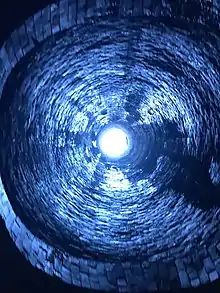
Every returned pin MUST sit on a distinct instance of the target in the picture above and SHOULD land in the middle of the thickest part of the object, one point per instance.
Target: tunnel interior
(143, 217)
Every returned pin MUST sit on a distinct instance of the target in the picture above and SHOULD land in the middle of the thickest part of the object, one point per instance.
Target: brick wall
(146, 275)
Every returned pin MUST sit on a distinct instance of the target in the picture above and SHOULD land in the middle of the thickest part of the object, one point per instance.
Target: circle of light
(114, 142)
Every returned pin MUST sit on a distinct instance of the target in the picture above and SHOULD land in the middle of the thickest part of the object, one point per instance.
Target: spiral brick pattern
(66, 72)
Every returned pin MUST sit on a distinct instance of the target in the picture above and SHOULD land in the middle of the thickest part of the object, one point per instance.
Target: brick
(213, 252)
(183, 279)
(16, 45)
(80, 16)
(91, 8)
(75, 270)
(84, 268)
(100, 268)
(15, 228)
(76, 281)
(85, 280)
(213, 276)
(94, 283)
(163, 271)
(55, 18)
(180, 265)
(136, 270)
(126, 7)
(92, 271)
(203, 276)
(152, 285)
(138, 8)
(173, 273)
(146, 7)
(128, 276)
(26, 45)
(75, 260)
(35, 245)
(46, 22)
(66, 275)
(38, 27)
(57, 265)
(209, 266)
(33, 260)
(217, 265)
(104, 283)
(5, 209)
(72, 14)
(191, 273)
(64, 12)
(122, 283)
(10, 52)
(195, 282)
(145, 264)
(9, 221)
(218, 246)
(4, 59)
(19, 243)
(101, 7)
(42, 255)
(48, 269)
(29, 23)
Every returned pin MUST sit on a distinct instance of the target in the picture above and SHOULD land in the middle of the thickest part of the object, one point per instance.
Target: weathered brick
(122, 285)
(91, 8)
(75, 270)
(15, 228)
(5, 64)
(55, 18)
(100, 268)
(203, 276)
(64, 12)
(26, 45)
(213, 276)
(104, 283)
(191, 273)
(38, 26)
(125, 7)
(213, 252)
(46, 22)
(57, 265)
(66, 275)
(94, 283)
(138, 8)
(146, 7)
(72, 14)
(217, 266)
(218, 246)
(173, 273)
(80, 16)
(152, 285)
(33, 260)
(16, 45)
(180, 265)
(10, 53)
(209, 266)
(84, 268)
(101, 7)
(85, 280)
(19, 243)
(195, 282)
(42, 255)
(184, 279)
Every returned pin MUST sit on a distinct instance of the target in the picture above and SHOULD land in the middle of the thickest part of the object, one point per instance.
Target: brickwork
(123, 277)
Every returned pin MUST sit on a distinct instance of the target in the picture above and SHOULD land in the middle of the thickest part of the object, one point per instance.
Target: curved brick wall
(191, 270)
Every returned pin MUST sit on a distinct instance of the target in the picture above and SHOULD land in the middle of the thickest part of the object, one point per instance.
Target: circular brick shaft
(190, 259)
